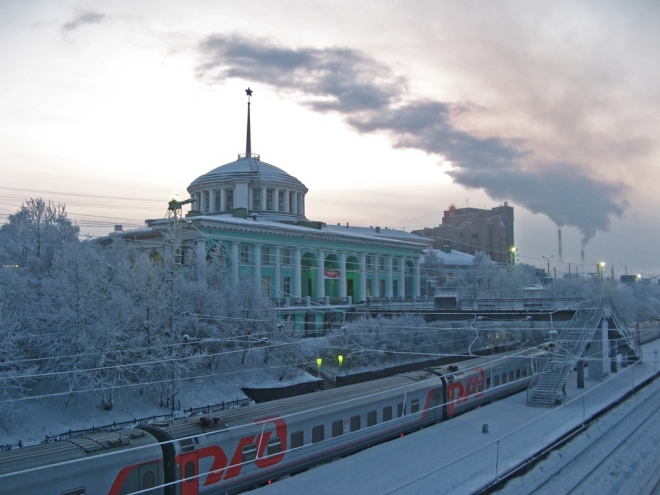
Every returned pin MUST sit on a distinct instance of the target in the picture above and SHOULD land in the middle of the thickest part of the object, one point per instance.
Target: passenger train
(235, 450)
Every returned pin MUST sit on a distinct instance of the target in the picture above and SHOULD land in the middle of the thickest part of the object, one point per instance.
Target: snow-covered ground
(455, 456)
(35, 419)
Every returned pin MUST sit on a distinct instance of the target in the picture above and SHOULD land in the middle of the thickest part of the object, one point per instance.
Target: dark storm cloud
(82, 19)
(372, 98)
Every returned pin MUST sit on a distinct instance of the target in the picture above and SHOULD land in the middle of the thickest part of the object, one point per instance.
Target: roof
(453, 258)
(246, 169)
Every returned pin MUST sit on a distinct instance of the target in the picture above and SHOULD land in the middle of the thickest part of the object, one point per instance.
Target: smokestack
(583, 256)
(559, 234)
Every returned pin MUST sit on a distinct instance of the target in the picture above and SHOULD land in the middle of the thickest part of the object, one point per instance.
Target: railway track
(616, 453)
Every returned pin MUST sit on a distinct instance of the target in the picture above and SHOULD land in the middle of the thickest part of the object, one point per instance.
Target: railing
(400, 304)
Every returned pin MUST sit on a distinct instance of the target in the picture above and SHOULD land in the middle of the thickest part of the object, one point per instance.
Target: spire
(248, 141)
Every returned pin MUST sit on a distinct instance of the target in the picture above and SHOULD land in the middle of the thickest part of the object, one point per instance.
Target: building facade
(473, 229)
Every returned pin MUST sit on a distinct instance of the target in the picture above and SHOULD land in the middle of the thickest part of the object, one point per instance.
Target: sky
(388, 112)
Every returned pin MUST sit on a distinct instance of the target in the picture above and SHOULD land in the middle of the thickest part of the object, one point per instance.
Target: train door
(189, 472)
(438, 402)
(148, 475)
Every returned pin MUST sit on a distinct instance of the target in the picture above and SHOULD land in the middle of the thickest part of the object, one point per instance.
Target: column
(363, 277)
(278, 274)
(223, 199)
(286, 201)
(234, 263)
(297, 283)
(389, 290)
(342, 274)
(276, 200)
(294, 206)
(376, 285)
(416, 280)
(402, 282)
(257, 268)
(263, 198)
(320, 277)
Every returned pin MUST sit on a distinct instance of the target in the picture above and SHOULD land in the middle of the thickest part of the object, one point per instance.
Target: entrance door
(349, 287)
(189, 472)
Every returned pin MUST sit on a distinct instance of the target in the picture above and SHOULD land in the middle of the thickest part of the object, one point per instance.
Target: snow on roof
(453, 258)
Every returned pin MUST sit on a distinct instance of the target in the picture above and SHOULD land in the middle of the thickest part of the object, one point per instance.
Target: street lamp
(548, 260)
(600, 267)
(512, 255)
(340, 359)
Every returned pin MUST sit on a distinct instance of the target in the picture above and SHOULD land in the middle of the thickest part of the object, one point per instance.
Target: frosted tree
(33, 234)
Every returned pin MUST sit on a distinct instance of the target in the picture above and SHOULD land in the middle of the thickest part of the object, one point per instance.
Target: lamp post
(548, 260)
(600, 267)
(512, 255)
(319, 361)
(340, 360)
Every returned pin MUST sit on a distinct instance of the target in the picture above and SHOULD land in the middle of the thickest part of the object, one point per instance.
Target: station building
(254, 214)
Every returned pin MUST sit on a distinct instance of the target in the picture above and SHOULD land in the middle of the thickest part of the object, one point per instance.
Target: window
(395, 288)
(245, 254)
(287, 286)
(387, 413)
(217, 198)
(525, 371)
(256, 199)
(249, 452)
(369, 262)
(355, 423)
(291, 201)
(317, 434)
(337, 428)
(382, 288)
(229, 194)
(148, 480)
(297, 439)
(399, 410)
(207, 201)
(266, 255)
(372, 418)
(369, 287)
(381, 263)
(487, 383)
(280, 201)
(395, 263)
(503, 378)
(510, 376)
(269, 199)
(286, 256)
(274, 446)
(497, 380)
(414, 406)
(518, 374)
(265, 286)
(189, 469)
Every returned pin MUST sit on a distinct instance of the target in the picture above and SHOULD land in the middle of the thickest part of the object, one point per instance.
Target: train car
(115, 463)
(238, 449)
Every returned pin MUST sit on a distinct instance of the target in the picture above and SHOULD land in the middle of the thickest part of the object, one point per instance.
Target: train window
(518, 374)
(249, 452)
(76, 491)
(497, 380)
(337, 428)
(487, 383)
(503, 378)
(510, 376)
(525, 371)
(317, 434)
(148, 480)
(387, 413)
(399, 410)
(355, 423)
(274, 446)
(189, 470)
(372, 418)
(414, 406)
(297, 439)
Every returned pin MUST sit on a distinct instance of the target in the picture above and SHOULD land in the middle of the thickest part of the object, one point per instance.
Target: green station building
(254, 213)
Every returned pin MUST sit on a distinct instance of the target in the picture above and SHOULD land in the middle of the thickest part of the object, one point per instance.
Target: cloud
(81, 20)
(371, 98)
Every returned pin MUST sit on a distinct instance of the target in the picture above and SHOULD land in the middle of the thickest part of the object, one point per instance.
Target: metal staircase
(546, 389)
